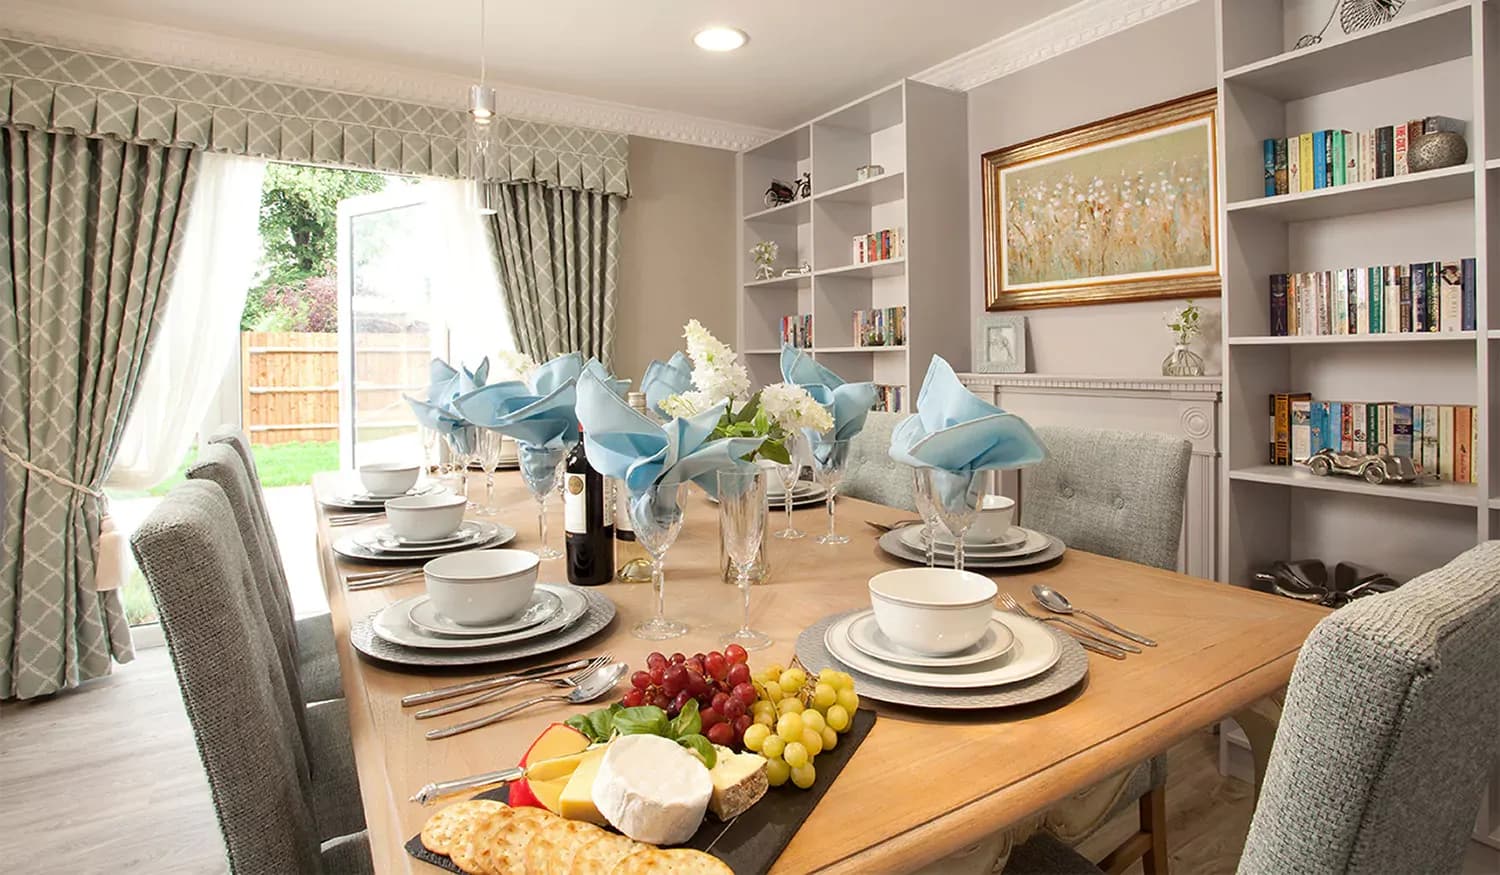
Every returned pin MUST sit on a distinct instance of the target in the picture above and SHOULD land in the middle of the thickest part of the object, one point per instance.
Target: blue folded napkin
(624, 444)
(848, 403)
(665, 379)
(444, 383)
(554, 372)
(955, 431)
(597, 368)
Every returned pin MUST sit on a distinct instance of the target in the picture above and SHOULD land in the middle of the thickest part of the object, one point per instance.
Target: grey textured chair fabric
(317, 659)
(235, 689)
(1388, 729)
(335, 780)
(1116, 493)
(870, 473)
(1044, 854)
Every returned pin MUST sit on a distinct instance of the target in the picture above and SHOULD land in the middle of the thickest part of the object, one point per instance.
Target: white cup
(996, 514)
(477, 587)
(932, 611)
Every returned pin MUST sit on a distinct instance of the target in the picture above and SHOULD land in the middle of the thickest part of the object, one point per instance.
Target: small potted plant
(765, 253)
(1185, 323)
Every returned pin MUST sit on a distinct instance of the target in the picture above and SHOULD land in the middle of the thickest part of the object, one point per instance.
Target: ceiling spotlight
(719, 39)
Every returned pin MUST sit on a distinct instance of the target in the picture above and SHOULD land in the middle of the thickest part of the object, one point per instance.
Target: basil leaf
(776, 452)
(641, 720)
(702, 747)
(687, 721)
(601, 722)
(581, 723)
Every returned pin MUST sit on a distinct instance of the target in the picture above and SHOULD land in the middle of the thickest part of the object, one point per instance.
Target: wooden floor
(106, 780)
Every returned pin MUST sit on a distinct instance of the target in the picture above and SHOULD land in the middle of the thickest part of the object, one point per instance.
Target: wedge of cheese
(577, 802)
(739, 781)
(652, 789)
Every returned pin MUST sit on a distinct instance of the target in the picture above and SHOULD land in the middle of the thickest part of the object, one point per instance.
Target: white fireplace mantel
(1186, 407)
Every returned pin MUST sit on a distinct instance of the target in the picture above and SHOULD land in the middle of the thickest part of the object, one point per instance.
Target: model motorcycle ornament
(1378, 467)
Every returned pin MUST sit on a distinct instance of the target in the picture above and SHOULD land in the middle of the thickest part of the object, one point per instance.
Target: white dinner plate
(543, 605)
(394, 623)
(1035, 650)
(865, 636)
(1015, 542)
(802, 496)
(470, 533)
(351, 547)
(357, 499)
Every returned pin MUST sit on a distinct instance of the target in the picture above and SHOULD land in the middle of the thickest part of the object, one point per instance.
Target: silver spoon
(596, 686)
(1058, 603)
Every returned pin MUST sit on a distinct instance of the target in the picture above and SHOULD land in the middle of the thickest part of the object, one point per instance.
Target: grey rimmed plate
(891, 543)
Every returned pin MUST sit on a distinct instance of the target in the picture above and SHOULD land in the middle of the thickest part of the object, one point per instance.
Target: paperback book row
(1322, 159)
(889, 398)
(1430, 296)
(884, 327)
(1438, 438)
(797, 330)
(879, 246)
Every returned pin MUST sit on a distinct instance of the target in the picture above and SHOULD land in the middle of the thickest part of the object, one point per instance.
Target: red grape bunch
(720, 682)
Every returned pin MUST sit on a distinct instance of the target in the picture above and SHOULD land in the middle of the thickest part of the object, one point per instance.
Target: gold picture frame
(1096, 242)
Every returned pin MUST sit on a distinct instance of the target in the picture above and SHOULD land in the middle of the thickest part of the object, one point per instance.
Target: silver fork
(563, 683)
(1086, 636)
(353, 519)
(384, 578)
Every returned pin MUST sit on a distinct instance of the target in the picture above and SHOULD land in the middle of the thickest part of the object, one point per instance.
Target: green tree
(299, 215)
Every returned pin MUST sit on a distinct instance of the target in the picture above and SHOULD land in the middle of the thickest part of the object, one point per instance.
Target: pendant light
(481, 129)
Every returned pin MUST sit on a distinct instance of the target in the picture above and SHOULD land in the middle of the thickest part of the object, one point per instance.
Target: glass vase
(1182, 362)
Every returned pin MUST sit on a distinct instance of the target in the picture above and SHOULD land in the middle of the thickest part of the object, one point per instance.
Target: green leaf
(580, 722)
(702, 747)
(776, 452)
(749, 411)
(597, 725)
(687, 721)
(641, 720)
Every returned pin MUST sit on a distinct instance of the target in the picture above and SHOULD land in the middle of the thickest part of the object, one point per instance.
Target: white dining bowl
(993, 521)
(425, 517)
(388, 478)
(932, 611)
(478, 587)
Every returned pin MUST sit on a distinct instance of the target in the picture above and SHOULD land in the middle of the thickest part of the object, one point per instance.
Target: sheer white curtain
(200, 329)
(465, 284)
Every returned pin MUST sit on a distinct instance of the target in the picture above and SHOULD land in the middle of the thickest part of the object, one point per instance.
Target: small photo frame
(1000, 344)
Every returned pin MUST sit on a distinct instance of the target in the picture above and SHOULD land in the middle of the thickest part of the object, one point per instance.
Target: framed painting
(1124, 209)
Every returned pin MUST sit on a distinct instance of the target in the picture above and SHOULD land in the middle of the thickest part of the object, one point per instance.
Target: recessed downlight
(719, 39)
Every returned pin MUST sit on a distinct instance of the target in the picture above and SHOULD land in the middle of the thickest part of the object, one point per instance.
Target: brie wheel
(652, 789)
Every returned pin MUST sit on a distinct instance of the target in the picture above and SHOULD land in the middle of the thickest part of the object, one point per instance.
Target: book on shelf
(797, 330)
(1445, 466)
(1418, 297)
(889, 398)
(1309, 170)
(1300, 407)
(1429, 296)
(1438, 438)
(1328, 158)
(877, 328)
(1269, 149)
(1465, 438)
(882, 245)
(1398, 150)
(1467, 316)
(1320, 159)
(1293, 166)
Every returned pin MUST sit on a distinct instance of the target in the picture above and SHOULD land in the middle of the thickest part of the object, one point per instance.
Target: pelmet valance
(57, 89)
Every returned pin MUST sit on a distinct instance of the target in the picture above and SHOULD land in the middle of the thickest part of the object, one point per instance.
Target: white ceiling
(804, 56)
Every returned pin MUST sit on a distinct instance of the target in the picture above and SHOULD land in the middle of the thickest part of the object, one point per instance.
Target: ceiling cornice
(160, 44)
(1044, 39)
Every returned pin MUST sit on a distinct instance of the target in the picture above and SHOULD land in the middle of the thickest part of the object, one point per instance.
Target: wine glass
(790, 475)
(956, 497)
(742, 525)
(539, 466)
(463, 445)
(829, 458)
(656, 514)
(489, 460)
(431, 459)
(922, 496)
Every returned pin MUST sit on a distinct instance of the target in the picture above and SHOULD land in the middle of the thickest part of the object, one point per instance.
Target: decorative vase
(1435, 150)
(760, 573)
(1182, 362)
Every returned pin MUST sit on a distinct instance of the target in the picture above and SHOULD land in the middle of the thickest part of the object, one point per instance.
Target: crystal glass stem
(929, 534)
(545, 552)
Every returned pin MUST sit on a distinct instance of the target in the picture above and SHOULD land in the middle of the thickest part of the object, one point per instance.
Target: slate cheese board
(750, 843)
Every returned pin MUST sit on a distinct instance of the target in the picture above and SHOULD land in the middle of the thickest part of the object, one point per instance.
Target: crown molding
(1044, 39)
(171, 46)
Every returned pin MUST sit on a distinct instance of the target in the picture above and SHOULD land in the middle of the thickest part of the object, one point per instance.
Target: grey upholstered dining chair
(317, 657)
(282, 806)
(870, 473)
(1116, 493)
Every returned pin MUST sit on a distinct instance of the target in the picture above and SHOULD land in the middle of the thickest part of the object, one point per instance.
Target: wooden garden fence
(290, 382)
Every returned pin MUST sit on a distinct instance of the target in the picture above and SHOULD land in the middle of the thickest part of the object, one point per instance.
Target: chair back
(870, 473)
(1115, 493)
(235, 439)
(1388, 731)
(232, 681)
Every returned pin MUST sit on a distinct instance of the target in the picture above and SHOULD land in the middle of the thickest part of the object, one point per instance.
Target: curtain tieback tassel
(109, 555)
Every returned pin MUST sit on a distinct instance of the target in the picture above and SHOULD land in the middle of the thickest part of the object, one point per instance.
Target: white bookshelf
(1435, 58)
(918, 134)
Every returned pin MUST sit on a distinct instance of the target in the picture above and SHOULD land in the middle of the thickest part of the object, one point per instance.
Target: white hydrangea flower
(518, 364)
(686, 404)
(717, 372)
(790, 407)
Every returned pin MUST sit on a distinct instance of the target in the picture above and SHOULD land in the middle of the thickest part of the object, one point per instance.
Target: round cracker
(465, 854)
(599, 856)
(452, 823)
(504, 851)
(671, 861)
(552, 847)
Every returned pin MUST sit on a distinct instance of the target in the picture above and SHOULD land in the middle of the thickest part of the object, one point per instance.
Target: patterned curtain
(92, 229)
(556, 251)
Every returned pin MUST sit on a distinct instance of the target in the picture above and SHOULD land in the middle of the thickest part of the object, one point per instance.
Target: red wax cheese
(555, 741)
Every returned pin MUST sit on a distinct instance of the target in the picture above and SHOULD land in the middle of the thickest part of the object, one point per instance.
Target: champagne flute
(790, 475)
(956, 497)
(539, 466)
(921, 494)
(489, 460)
(657, 516)
(463, 445)
(829, 458)
(742, 524)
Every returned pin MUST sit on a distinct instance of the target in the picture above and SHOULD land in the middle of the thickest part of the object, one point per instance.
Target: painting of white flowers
(1119, 210)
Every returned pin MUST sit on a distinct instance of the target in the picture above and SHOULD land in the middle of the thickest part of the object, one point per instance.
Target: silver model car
(1373, 467)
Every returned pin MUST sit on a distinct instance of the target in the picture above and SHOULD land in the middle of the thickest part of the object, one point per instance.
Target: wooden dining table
(924, 783)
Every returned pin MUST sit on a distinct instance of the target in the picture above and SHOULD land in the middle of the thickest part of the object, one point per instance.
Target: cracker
(504, 851)
(465, 854)
(452, 824)
(673, 861)
(599, 856)
(552, 847)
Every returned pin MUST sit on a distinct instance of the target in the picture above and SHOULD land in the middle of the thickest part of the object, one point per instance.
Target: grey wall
(1167, 57)
(677, 259)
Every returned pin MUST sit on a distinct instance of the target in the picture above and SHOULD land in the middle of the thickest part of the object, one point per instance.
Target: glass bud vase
(759, 573)
(1182, 362)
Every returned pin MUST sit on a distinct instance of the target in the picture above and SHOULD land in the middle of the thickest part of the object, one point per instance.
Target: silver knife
(487, 683)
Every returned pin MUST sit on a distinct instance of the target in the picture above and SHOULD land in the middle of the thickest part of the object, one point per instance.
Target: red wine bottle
(588, 519)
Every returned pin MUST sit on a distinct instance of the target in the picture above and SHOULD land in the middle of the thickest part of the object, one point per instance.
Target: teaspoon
(1058, 603)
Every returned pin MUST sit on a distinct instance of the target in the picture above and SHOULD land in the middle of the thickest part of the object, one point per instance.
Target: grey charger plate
(1071, 667)
(891, 543)
(350, 548)
(598, 615)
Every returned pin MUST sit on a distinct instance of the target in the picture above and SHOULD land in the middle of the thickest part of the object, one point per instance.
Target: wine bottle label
(575, 505)
(622, 512)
